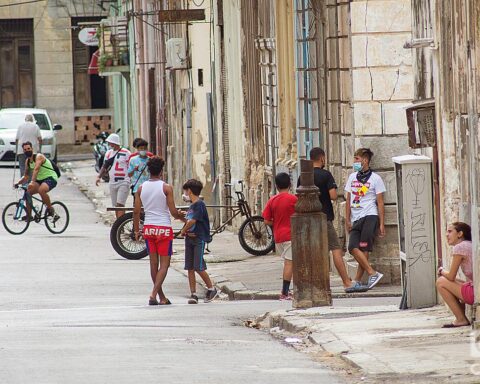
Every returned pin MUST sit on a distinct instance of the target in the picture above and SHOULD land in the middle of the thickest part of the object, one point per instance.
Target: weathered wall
(382, 85)
(53, 56)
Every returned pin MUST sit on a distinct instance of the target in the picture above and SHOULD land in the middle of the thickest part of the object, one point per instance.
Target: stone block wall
(379, 78)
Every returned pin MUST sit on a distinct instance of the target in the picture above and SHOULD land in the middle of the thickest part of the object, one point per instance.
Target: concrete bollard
(311, 269)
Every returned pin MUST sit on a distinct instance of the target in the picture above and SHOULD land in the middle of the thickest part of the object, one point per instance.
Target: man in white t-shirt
(364, 213)
(29, 131)
(116, 164)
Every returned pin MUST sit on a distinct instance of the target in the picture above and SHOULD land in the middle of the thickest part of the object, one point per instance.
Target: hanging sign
(88, 36)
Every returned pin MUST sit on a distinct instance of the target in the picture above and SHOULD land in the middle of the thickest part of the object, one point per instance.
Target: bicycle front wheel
(58, 223)
(123, 240)
(256, 237)
(15, 218)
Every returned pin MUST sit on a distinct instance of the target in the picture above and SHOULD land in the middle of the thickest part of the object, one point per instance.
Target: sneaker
(285, 297)
(374, 279)
(51, 212)
(356, 287)
(193, 299)
(211, 294)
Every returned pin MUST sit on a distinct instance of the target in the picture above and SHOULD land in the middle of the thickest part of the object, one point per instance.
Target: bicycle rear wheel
(123, 240)
(15, 218)
(256, 237)
(58, 223)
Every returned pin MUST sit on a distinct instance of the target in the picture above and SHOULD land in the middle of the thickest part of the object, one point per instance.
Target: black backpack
(54, 166)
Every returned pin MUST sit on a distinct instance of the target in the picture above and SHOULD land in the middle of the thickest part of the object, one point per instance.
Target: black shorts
(194, 251)
(50, 181)
(363, 233)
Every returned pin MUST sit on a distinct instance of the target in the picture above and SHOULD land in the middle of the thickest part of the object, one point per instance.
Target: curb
(327, 340)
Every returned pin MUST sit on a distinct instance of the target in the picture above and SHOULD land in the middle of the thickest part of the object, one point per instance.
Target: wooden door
(16, 73)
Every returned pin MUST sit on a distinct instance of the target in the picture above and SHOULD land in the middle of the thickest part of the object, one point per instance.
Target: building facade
(44, 65)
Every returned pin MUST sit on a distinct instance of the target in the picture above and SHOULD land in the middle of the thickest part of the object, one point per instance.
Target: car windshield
(10, 120)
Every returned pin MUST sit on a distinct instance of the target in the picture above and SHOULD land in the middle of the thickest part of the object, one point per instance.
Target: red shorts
(159, 239)
(467, 293)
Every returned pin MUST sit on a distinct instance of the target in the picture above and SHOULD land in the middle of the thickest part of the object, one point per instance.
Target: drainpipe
(189, 133)
(273, 141)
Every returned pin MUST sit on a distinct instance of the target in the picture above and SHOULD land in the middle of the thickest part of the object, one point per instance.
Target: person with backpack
(116, 165)
(43, 176)
(137, 166)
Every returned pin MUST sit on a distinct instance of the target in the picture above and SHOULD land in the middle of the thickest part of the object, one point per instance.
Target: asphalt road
(72, 311)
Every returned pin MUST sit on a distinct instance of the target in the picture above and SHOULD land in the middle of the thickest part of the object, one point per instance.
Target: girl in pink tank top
(455, 292)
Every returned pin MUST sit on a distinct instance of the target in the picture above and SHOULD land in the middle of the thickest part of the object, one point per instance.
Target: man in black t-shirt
(325, 182)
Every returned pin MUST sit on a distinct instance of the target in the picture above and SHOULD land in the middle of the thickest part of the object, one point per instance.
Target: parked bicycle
(254, 235)
(16, 218)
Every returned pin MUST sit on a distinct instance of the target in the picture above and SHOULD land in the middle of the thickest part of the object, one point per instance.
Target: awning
(93, 66)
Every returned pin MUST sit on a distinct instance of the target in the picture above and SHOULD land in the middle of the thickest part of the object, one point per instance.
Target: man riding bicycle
(43, 176)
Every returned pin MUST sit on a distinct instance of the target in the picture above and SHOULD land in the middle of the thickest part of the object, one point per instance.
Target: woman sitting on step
(456, 293)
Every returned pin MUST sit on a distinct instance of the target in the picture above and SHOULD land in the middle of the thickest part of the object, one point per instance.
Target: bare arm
(102, 172)
(348, 213)
(333, 194)
(268, 222)
(452, 273)
(168, 190)
(190, 223)
(137, 208)
(40, 159)
(381, 214)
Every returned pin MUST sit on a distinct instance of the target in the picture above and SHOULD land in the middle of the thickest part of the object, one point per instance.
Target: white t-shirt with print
(119, 171)
(363, 197)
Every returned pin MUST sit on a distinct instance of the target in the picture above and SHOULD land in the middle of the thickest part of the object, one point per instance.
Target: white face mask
(186, 198)
(143, 153)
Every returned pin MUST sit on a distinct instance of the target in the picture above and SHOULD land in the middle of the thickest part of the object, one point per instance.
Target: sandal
(152, 301)
(167, 302)
(451, 325)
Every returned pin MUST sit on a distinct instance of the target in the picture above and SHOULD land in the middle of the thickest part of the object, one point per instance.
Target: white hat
(113, 138)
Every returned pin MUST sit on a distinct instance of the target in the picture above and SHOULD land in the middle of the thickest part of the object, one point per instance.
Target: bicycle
(16, 219)
(254, 235)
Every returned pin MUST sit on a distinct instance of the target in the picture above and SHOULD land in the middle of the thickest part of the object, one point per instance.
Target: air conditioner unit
(176, 51)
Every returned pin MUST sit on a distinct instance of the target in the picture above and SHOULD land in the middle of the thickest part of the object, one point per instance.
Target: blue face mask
(357, 166)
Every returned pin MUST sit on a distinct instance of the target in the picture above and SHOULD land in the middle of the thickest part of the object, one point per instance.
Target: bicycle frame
(26, 200)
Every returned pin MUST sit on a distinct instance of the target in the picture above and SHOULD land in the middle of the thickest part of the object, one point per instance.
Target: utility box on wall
(176, 52)
(416, 230)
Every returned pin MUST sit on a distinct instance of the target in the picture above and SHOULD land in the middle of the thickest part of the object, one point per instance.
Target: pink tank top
(465, 249)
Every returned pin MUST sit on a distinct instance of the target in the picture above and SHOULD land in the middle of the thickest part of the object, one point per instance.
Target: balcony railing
(113, 45)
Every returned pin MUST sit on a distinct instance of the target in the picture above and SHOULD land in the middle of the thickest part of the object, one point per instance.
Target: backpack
(54, 166)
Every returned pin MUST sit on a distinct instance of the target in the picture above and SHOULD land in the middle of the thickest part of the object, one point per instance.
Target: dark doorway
(16, 63)
(90, 90)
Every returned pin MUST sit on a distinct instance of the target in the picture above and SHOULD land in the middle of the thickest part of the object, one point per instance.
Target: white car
(12, 118)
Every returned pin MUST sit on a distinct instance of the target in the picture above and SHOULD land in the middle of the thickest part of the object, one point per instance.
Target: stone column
(311, 270)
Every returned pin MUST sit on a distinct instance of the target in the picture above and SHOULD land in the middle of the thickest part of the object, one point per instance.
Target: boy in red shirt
(277, 214)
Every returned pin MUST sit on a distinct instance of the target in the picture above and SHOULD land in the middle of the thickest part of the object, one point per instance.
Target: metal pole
(311, 262)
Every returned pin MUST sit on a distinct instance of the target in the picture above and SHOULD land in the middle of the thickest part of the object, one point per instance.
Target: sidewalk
(407, 346)
(236, 273)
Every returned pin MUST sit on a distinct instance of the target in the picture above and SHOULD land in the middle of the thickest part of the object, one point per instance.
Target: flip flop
(165, 303)
(451, 325)
(152, 301)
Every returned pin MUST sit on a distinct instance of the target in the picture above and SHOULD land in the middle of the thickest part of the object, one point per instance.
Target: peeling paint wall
(453, 54)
